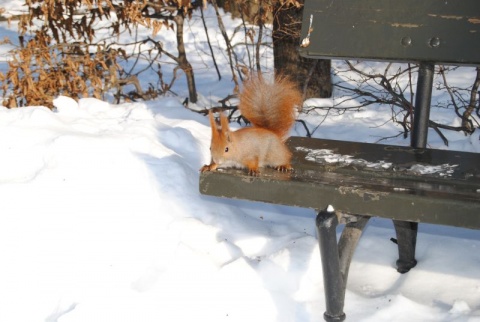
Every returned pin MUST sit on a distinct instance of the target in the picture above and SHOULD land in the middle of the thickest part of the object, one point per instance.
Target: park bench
(350, 182)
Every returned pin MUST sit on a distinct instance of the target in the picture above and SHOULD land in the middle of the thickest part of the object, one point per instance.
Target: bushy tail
(271, 105)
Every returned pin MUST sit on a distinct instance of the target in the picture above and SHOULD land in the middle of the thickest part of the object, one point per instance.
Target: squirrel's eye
(226, 149)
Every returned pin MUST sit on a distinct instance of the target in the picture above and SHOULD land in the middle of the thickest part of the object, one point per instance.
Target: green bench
(349, 182)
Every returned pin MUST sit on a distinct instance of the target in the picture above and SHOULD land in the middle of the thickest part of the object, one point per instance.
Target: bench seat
(400, 183)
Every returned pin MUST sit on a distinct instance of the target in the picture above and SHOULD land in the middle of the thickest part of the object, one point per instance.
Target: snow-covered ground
(101, 220)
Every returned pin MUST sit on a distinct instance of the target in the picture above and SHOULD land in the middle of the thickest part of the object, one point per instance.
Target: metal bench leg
(423, 99)
(336, 258)
(406, 240)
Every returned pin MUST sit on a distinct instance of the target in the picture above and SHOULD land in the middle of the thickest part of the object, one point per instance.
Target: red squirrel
(270, 107)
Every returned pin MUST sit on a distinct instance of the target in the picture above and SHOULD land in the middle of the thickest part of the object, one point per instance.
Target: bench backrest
(438, 31)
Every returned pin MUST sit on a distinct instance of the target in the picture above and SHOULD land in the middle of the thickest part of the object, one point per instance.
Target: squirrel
(270, 108)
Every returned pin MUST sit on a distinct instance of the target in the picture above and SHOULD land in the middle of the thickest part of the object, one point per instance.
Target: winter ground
(101, 220)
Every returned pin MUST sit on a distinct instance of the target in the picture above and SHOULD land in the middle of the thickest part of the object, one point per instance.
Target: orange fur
(270, 107)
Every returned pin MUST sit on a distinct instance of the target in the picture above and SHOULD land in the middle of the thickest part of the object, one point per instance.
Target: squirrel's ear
(225, 127)
(212, 119)
(224, 123)
(213, 123)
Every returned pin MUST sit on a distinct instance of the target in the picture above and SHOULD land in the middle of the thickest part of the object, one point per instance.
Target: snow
(323, 156)
(101, 220)
(329, 156)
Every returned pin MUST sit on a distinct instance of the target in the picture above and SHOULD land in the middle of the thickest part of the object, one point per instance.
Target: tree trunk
(183, 62)
(312, 75)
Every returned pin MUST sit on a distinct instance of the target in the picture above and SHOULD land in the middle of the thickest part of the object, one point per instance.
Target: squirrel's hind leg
(280, 160)
(284, 168)
(252, 166)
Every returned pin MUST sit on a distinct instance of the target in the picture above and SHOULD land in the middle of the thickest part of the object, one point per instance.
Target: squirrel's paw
(208, 167)
(284, 168)
(253, 172)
